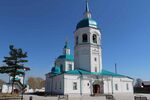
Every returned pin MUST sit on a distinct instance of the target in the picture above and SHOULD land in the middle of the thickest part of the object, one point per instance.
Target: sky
(41, 27)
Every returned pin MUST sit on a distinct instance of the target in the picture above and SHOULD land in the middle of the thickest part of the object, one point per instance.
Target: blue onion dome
(56, 70)
(87, 22)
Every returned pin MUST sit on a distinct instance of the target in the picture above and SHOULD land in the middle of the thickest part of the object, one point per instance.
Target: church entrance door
(96, 89)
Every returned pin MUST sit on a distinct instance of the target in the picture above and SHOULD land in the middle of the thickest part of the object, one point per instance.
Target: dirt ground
(117, 97)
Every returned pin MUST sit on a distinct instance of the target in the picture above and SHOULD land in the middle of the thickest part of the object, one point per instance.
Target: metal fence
(110, 97)
(140, 98)
(62, 97)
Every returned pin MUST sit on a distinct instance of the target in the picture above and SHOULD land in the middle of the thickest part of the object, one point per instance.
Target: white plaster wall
(107, 86)
(85, 58)
(95, 54)
(126, 81)
(6, 88)
(68, 84)
(82, 50)
(55, 85)
(86, 52)
(82, 89)
(117, 81)
(122, 88)
(48, 84)
(86, 89)
(58, 84)
(82, 56)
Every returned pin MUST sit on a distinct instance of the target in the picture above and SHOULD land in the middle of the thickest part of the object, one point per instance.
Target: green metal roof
(83, 72)
(87, 22)
(77, 72)
(108, 73)
(66, 57)
(103, 73)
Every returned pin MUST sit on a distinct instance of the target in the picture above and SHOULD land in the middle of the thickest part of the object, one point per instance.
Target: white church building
(82, 74)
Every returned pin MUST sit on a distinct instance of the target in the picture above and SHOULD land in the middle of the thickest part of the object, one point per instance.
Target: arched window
(77, 40)
(69, 67)
(94, 38)
(127, 86)
(61, 68)
(116, 86)
(95, 59)
(84, 38)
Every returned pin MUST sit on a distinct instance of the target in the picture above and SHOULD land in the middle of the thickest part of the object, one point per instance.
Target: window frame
(116, 87)
(69, 67)
(127, 86)
(75, 87)
(94, 38)
(95, 59)
(84, 38)
(61, 67)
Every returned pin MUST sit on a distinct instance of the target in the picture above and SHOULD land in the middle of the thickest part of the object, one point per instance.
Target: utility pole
(116, 68)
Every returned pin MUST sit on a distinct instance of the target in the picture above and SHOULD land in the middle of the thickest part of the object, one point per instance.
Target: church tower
(87, 49)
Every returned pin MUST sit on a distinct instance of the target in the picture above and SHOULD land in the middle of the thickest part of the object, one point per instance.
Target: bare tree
(2, 82)
(36, 82)
(138, 82)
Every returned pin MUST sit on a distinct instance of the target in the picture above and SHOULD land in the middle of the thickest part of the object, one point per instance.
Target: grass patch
(8, 95)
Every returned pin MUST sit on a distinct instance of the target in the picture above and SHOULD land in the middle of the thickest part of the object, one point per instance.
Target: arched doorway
(16, 91)
(98, 87)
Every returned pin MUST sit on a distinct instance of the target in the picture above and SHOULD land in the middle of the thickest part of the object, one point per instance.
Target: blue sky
(41, 27)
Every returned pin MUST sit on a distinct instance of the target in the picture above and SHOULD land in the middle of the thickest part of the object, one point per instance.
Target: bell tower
(87, 49)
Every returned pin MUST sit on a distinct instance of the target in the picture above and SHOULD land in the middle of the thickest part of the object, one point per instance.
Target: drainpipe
(108, 84)
(103, 83)
(91, 87)
(81, 76)
(112, 85)
(64, 86)
(81, 85)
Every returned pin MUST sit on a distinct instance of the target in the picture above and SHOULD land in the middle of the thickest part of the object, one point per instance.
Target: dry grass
(8, 95)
